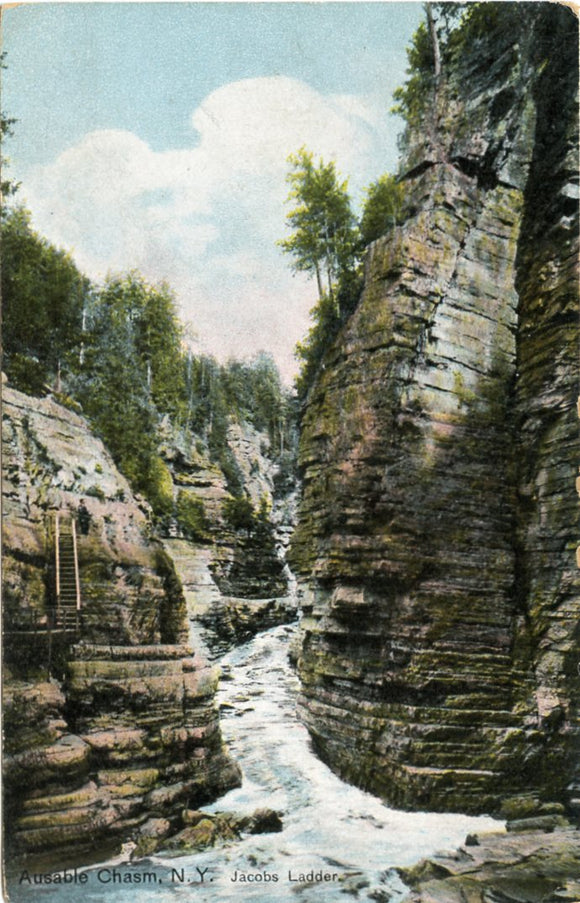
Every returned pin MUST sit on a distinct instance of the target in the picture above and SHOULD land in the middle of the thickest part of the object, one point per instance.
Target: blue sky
(154, 136)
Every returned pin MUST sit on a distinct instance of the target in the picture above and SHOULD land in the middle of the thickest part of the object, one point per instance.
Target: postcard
(289, 452)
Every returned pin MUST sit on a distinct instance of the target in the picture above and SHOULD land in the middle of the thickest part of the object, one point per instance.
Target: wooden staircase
(67, 611)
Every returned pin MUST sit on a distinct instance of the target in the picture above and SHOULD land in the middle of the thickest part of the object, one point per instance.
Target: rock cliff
(111, 727)
(436, 531)
(234, 575)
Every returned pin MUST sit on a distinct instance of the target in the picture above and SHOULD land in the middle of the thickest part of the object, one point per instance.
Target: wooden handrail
(57, 557)
(77, 578)
(62, 521)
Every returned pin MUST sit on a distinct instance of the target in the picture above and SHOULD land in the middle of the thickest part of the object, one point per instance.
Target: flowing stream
(330, 828)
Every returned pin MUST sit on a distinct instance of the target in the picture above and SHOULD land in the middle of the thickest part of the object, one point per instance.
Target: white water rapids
(329, 826)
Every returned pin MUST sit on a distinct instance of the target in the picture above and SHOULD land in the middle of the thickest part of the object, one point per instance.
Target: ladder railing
(67, 577)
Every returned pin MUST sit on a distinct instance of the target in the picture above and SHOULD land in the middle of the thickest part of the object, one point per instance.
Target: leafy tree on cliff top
(325, 238)
(43, 296)
(132, 373)
(383, 208)
(449, 30)
(7, 186)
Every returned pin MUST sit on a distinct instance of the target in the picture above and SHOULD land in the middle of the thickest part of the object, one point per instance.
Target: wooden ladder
(68, 586)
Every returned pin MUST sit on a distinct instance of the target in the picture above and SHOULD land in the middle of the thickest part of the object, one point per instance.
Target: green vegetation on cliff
(450, 32)
(436, 528)
(43, 296)
(118, 350)
(325, 238)
(327, 242)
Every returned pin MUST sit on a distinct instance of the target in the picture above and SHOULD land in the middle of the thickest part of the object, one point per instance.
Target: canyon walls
(232, 563)
(436, 536)
(111, 727)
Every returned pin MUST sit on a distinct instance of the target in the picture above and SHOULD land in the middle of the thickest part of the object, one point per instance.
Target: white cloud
(207, 217)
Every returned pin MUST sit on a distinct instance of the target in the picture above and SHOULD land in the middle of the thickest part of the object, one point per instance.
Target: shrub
(158, 487)
(239, 513)
(27, 375)
(191, 516)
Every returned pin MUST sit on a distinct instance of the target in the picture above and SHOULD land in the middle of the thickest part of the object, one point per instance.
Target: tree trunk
(434, 43)
(83, 330)
(318, 281)
(329, 277)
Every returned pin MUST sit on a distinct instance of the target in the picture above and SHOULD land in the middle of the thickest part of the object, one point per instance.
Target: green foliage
(382, 208)
(311, 351)
(157, 486)
(96, 492)
(145, 317)
(43, 295)
(458, 27)
(411, 99)
(112, 388)
(191, 516)
(27, 374)
(326, 242)
(264, 509)
(254, 392)
(325, 237)
(239, 513)
(7, 186)
(465, 24)
(130, 377)
(159, 346)
(239, 390)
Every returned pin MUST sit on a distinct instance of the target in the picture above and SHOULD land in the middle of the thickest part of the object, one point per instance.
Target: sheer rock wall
(112, 731)
(436, 532)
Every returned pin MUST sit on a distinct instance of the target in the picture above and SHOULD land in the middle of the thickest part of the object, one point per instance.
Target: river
(330, 828)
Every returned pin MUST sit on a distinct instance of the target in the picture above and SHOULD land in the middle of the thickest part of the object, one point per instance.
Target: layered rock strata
(235, 578)
(526, 865)
(436, 531)
(113, 725)
(218, 620)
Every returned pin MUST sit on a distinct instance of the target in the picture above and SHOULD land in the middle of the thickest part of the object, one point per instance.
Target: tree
(311, 351)
(449, 28)
(325, 238)
(434, 42)
(112, 386)
(158, 344)
(411, 99)
(43, 295)
(382, 208)
(147, 316)
(7, 186)
(131, 374)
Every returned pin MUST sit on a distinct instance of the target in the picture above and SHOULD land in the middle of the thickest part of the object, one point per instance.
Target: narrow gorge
(437, 530)
(111, 724)
(374, 599)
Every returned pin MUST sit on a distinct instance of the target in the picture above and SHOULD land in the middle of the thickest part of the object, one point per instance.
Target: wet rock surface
(219, 620)
(531, 867)
(210, 829)
(436, 535)
(111, 726)
(235, 578)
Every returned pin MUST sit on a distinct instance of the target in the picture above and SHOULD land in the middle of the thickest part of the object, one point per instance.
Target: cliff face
(234, 575)
(436, 533)
(111, 729)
